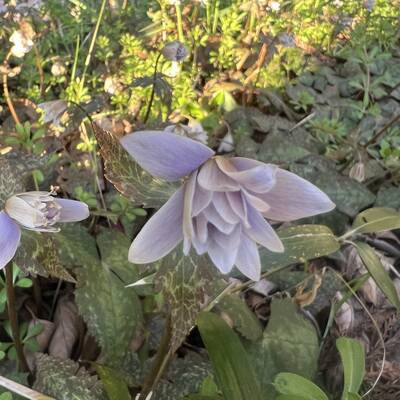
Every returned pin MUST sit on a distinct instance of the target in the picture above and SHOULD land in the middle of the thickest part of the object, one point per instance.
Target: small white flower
(274, 6)
(22, 44)
(111, 85)
(58, 69)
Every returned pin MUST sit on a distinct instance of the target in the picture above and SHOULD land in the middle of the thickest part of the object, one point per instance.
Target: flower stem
(7, 93)
(13, 317)
(160, 363)
(153, 88)
(179, 24)
(92, 43)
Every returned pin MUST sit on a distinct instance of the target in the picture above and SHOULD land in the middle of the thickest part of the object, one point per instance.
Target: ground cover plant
(199, 199)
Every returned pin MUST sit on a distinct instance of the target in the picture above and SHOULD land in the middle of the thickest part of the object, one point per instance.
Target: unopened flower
(175, 51)
(222, 206)
(36, 211)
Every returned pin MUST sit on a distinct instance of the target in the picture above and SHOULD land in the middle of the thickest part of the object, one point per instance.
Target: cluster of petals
(36, 211)
(222, 206)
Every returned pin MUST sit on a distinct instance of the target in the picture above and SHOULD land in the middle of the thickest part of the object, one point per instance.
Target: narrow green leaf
(353, 359)
(352, 396)
(287, 383)
(376, 219)
(378, 273)
(115, 387)
(233, 369)
(301, 243)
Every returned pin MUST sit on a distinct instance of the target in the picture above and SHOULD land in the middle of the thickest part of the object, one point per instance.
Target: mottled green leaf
(66, 380)
(378, 273)
(15, 169)
(114, 248)
(353, 359)
(289, 344)
(112, 312)
(301, 243)
(185, 281)
(376, 219)
(232, 365)
(38, 255)
(76, 246)
(128, 177)
(296, 385)
(184, 376)
(244, 320)
(388, 196)
(115, 387)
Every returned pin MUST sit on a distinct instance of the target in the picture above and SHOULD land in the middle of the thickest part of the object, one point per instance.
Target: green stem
(215, 17)
(153, 88)
(92, 43)
(13, 317)
(179, 21)
(160, 363)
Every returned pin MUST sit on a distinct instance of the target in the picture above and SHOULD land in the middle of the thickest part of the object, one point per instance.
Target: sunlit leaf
(128, 177)
(353, 359)
(301, 243)
(233, 368)
(376, 220)
(378, 273)
(290, 384)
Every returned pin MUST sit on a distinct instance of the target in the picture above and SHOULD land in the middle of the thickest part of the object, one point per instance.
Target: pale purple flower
(36, 211)
(222, 206)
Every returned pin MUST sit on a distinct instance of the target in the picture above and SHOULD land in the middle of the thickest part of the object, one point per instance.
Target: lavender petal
(162, 232)
(293, 198)
(248, 259)
(212, 178)
(10, 236)
(262, 232)
(72, 210)
(166, 155)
